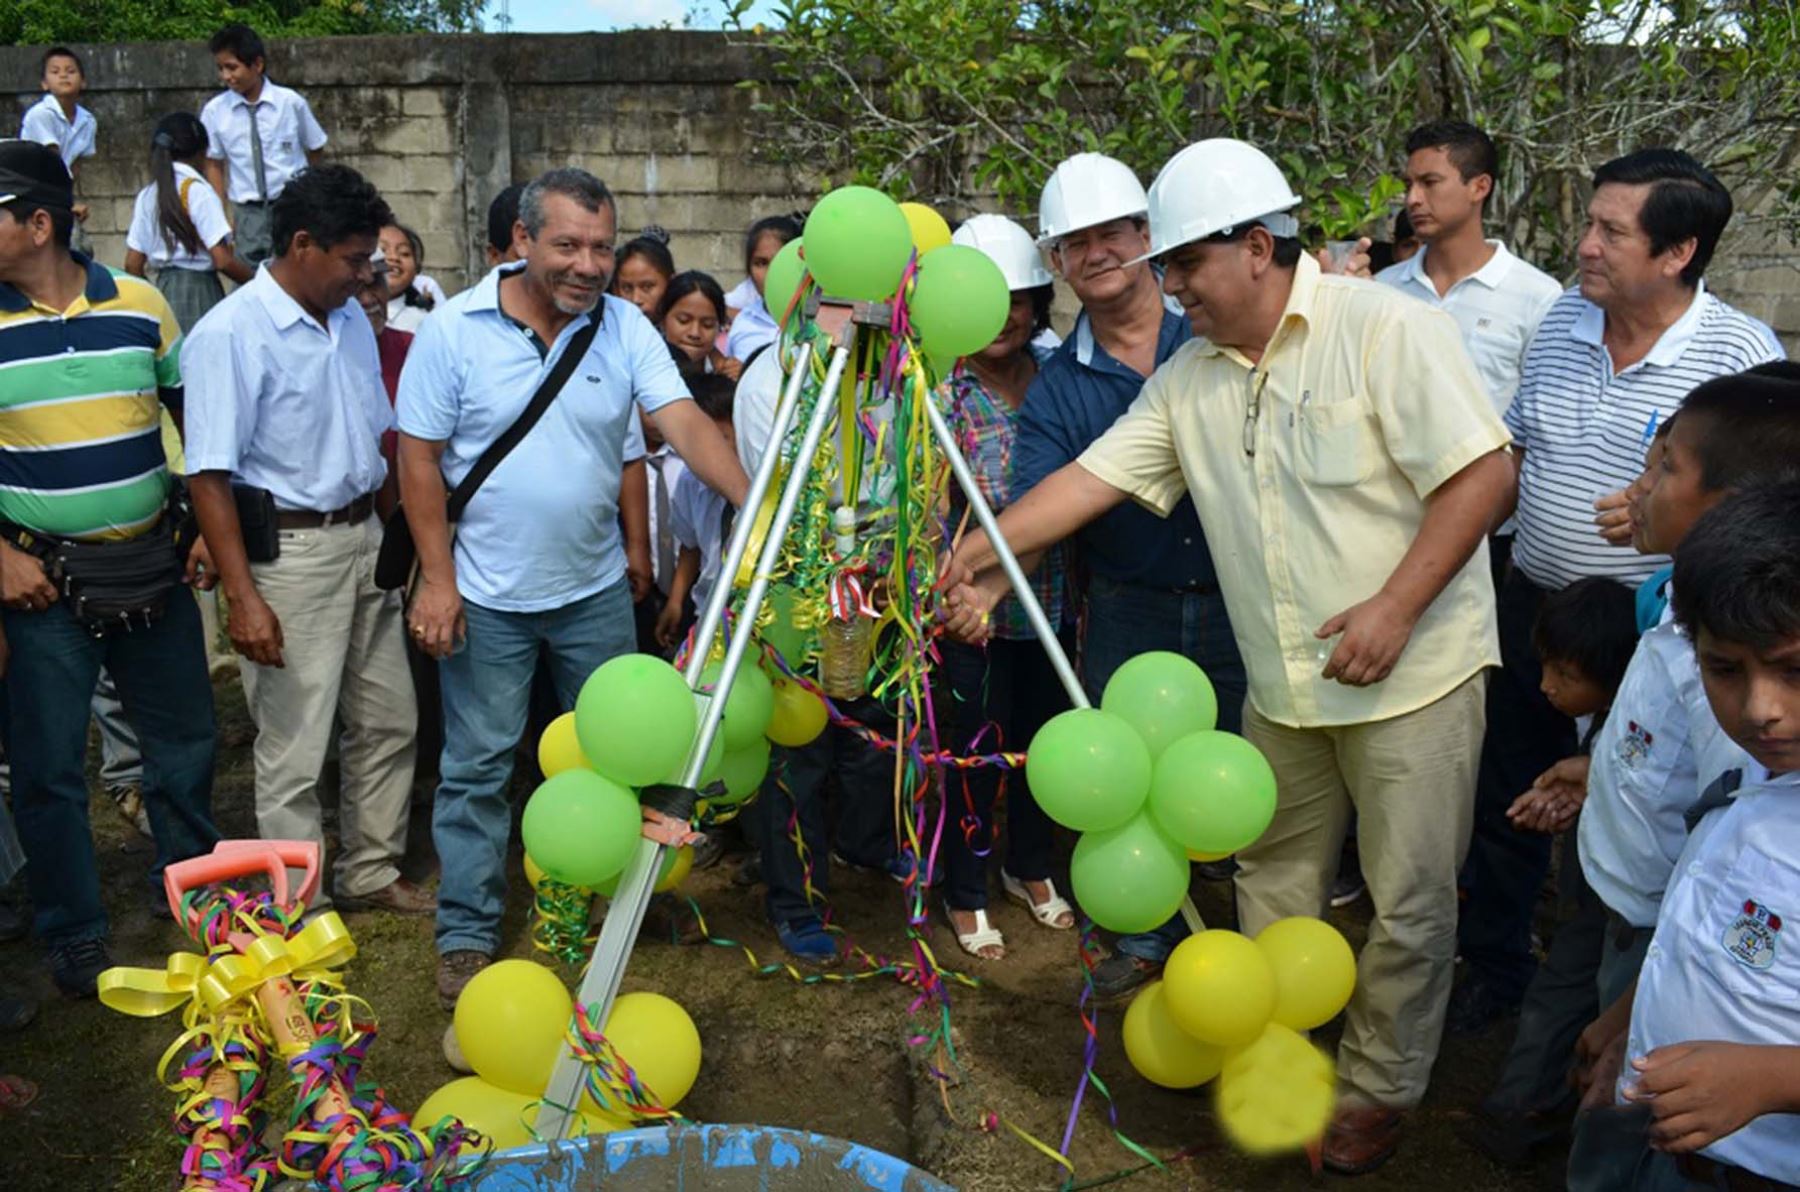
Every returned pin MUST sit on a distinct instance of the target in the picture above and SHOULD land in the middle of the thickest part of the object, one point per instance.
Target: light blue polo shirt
(543, 531)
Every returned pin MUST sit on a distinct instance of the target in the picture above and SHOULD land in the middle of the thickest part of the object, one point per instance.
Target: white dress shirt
(203, 207)
(283, 403)
(45, 123)
(289, 131)
(696, 516)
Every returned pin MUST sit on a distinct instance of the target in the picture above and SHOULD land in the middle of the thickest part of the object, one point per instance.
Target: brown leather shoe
(455, 971)
(399, 896)
(1361, 1138)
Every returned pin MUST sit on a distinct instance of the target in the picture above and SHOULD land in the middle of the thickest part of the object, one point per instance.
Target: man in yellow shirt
(1346, 463)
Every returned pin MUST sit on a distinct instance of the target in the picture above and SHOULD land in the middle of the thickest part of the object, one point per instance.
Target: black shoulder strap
(540, 401)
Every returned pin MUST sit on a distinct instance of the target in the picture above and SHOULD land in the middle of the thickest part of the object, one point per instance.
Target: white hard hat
(1008, 246)
(1216, 186)
(1086, 190)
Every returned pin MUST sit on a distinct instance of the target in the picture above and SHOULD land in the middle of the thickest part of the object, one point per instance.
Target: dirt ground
(831, 1058)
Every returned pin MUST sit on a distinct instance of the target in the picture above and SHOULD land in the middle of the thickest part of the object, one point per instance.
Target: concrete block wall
(442, 123)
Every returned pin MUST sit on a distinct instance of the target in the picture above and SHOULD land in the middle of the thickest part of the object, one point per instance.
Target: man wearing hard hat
(1346, 463)
(1149, 581)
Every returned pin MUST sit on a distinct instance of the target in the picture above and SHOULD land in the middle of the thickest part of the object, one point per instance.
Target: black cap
(34, 173)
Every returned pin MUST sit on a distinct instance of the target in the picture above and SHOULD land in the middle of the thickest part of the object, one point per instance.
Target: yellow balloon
(1162, 1052)
(799, 715)
(1277, 1094)
(510, 1022)
(534, 873)
(497, 1113)
(1194, 856)
(558, 748)
(1315, 970)
(678, 870)
(657, 1038)
(1219, 988)
(929, 230)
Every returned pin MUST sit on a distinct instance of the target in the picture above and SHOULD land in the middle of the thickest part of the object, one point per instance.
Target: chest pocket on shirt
(1336, 444)
(1751, 937)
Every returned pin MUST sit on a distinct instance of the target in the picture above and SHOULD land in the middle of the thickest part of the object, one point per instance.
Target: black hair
(715, 394)
(1469, 149)
(787, 227)
(1737, 573)
(62, 220)
(653, 245)
(413, 295)
(572, 183)
(63, 52)
(1747, 426)
(179, 136)
(1041, 298)
(1287, 248)
(690, 281)
(1686, 202)
(1592, 626)
(502, 214)
(1403, 229)
(330, 203)
(241, 42)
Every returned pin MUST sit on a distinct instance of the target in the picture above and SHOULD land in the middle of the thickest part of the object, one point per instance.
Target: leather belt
(1725, 1177)
(309, 519)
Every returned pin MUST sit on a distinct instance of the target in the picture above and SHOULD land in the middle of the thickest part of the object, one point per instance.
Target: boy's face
(1677, 497)
(1755, 696)
(1569, 690)
(62, 77)
(240, 77)
(1638, 489)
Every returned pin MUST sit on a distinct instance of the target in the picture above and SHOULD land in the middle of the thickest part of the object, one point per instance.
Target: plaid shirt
(985, 427)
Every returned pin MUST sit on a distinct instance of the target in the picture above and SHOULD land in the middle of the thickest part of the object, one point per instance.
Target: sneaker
(399, 896)
(902, 866)
(455, 971)
(1348, 887)
(130, 802)
(1121, 975)
(1475, 1006)
(76, 967)
(807, 940)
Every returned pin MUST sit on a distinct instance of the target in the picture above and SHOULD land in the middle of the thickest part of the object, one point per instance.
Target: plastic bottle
(845, 644)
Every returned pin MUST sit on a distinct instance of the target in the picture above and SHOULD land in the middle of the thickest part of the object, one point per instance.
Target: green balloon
(1164, 696)
(786, 273)
(1088, 769)
(959, 301)
(1212, 792)
(580, 827)
(793, 644)
(748, 705)
(1129, 878)
(635, 719)
(858, 243)
(610, 886)
(715, 755)
(742, 772)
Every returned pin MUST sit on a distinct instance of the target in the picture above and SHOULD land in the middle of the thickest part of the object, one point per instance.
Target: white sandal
(1047, 912)
(985, 935)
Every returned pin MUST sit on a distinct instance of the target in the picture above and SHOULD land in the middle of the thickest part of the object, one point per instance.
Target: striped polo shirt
(1584, 428)
(81, 450)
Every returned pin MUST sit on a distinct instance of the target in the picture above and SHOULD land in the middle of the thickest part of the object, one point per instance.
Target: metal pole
(600, 984)
(1015, 575)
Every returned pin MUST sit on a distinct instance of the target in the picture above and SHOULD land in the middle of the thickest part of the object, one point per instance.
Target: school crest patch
(1751, 938)
(1634, 746)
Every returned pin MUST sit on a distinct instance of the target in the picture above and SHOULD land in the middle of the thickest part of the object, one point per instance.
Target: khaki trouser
(345, 653)
(1411, 782)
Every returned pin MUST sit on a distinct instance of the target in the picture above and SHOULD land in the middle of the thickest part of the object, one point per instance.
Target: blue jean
(1125, 620)
(487, 694)
(160, 673)
(796, 790)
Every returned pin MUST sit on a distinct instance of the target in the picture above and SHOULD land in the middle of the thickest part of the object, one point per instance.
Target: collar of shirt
(271, 94)
(1589, 328)
(486, 296)
(100, 288)
(285, 311)
(1299, 309)
(1090, 354)
(51, 105)
(1491, 275)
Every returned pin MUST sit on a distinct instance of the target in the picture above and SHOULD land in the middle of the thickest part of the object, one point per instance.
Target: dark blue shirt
(1076, 396)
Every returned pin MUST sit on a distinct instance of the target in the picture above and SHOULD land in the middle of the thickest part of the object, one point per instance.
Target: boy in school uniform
(1708, 1070)
(58, 119)
(696, 521)
(259, 135)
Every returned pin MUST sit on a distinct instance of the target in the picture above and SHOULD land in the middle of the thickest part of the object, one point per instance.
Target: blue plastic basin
(702, 1159)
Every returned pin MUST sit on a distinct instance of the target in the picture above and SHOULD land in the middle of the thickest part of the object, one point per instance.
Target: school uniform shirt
(1724, 963)
(663, 469)
(284, 402)
(697, 518)
(45, 123)
(203, 207)
(1584, 426)
(1657, 750)
(753, 328)
(289, 131)
(543, 531)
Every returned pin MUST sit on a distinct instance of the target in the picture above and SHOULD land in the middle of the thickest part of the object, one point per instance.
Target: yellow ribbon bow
(213, 983)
